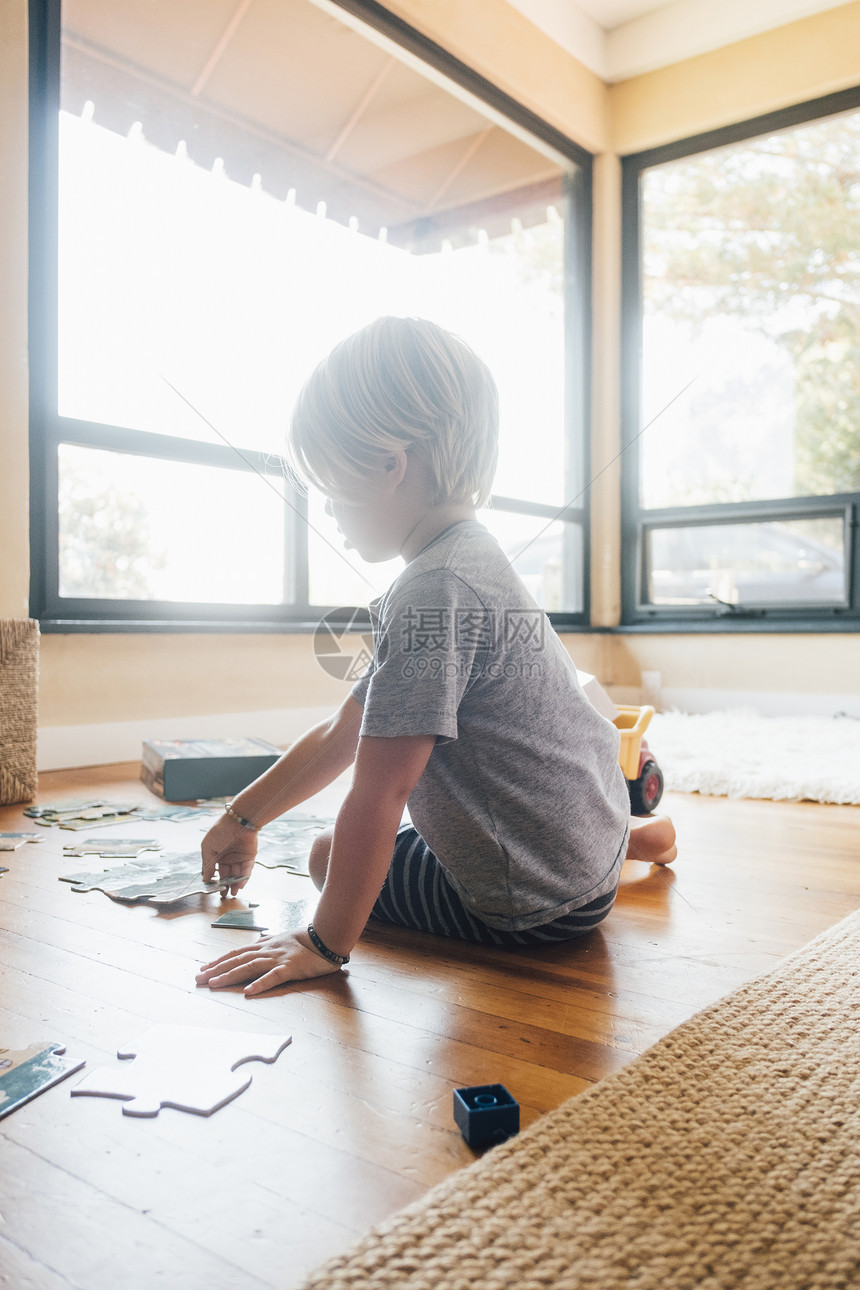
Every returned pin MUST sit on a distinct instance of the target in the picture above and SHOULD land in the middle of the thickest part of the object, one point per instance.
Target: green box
(181, 770)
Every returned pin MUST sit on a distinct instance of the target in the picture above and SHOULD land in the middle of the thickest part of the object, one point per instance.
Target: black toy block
(486, 1114)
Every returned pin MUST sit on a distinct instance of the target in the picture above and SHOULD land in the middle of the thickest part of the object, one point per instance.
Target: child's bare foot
(652, 839)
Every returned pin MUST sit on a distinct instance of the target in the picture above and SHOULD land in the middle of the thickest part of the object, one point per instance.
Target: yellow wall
(127, 677)
(498, 42)
(761, 664)
(802, 60)
(114, 678)
(606, 394)
(14, 546)
(123, 677)
(791, 64)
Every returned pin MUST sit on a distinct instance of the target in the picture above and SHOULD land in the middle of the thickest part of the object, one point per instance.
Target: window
(742, 362)
(221, 191)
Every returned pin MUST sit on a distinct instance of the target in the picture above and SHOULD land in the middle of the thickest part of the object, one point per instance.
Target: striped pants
(417, 894)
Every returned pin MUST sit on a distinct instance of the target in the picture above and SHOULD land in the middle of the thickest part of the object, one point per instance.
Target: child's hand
(232, 850)
(273, 961)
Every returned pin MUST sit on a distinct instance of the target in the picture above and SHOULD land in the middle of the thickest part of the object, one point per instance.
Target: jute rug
(742, 754)
(19, 664)
(727, 1156)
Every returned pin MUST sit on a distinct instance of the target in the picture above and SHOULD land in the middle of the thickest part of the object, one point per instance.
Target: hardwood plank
(293, 1193)
(354, 1119)
(95, 1240)
(22, 1271)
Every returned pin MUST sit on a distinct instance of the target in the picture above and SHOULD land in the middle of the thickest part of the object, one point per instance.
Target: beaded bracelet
(337, 959)
(240, 819)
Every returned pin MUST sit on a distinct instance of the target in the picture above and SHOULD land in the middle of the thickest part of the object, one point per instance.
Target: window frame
(48, 429)
(637, 613)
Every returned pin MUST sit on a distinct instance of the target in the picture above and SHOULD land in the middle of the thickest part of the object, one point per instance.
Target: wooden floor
(354, 1120)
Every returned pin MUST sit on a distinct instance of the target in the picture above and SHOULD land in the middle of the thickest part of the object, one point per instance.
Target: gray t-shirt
(522, 800)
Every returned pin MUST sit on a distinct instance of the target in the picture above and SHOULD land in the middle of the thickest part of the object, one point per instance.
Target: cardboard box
(180, 770)
(597, 696)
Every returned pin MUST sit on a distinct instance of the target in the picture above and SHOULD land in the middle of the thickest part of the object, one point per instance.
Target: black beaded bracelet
(240, 819)
(337, 959)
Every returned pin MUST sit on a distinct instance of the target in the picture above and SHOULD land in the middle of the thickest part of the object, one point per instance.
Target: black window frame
(638, 522)
(48, 430)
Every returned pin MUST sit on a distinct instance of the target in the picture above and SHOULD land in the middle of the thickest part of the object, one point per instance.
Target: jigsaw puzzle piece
(175, 813)
(26, 1074)
(56, 809)
(92, 820)
(82, 815)
(286, 843)
(174, 887)
(271, 916)
(285, 824)
(12, 841)
(182, 1067)
(162, 879)
(113, 848)
(293, 857)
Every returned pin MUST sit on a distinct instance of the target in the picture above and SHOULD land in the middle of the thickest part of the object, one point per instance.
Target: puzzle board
(182, 1067)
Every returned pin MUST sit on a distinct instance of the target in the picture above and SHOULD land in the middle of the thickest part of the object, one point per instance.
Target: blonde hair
(400, 383)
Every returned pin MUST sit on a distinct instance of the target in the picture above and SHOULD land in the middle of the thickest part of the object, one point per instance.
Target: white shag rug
(740, 753)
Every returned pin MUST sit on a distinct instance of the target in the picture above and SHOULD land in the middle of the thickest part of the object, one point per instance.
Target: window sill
(563, 624)
(73, 626)
(740, 625)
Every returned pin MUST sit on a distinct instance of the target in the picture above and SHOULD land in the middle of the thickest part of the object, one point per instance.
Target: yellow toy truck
(644, 777)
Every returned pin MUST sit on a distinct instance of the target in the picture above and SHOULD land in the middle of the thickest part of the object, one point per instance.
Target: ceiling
(622, 38)
(296, 97)
(288, 95)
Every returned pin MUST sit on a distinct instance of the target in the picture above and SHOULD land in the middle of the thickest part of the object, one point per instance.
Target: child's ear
(395, 469)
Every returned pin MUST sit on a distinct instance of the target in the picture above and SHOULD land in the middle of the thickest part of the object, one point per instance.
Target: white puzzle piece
(271, 916)
(160, 879)
(286, 843)
(112, 848)
(82, 815)
(183, 1067)
(12, 841)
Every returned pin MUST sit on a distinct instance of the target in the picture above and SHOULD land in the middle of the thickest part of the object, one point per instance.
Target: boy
(470, 711)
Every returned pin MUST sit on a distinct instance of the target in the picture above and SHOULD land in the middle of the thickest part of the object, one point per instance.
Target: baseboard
(65, 747)
(769, 703)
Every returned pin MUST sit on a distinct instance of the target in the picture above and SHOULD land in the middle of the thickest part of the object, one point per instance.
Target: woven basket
(19, 683)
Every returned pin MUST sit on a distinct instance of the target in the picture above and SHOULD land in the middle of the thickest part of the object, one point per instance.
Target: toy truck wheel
(646, 791)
